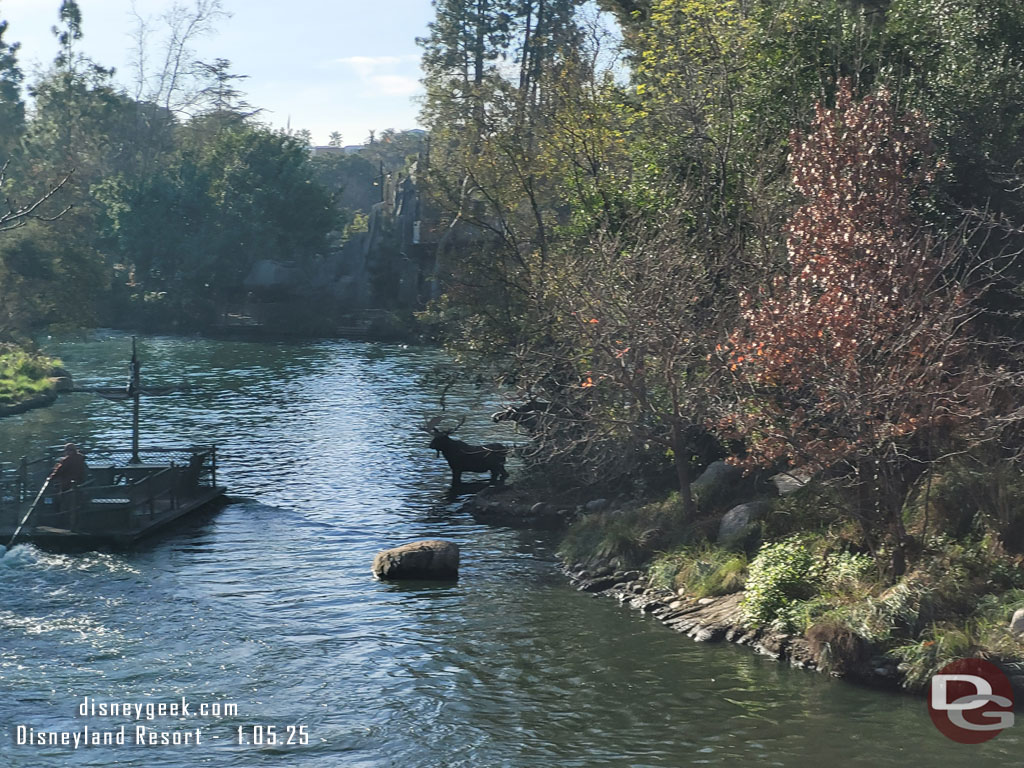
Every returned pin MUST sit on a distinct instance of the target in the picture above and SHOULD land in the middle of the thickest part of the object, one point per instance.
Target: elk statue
(463, 457)
(529, 415)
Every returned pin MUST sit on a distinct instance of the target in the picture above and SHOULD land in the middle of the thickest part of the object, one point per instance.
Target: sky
(323, 65)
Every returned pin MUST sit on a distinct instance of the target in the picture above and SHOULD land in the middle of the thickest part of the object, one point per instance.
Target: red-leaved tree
(861, 353)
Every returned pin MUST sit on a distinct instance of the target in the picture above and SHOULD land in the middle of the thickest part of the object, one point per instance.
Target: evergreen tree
(12, 108)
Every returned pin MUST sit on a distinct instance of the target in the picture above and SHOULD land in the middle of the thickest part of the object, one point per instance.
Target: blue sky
(327, 65)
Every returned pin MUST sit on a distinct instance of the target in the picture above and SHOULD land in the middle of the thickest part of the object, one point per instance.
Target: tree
(19, 214)
(861, 354)
(224, 203)
(45, 281)
(12, 108)
(349, 178)
(627, 355)
(486, 125)
(394, 149)
(960, 62)
(174, 84)
(466, 38)
(76, 109)
(41, 279)
(221, 97)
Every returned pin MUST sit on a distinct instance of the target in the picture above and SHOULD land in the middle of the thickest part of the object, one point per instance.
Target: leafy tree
(350, 178)
(393, 149)
(196, 229)
(627, 355)
(78, 116)
(466, 38)
(860, 354)
(961, 63)
(46, 281)
(486, 172)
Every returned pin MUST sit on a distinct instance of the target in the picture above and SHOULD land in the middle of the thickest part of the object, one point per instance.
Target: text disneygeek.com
(152, 734)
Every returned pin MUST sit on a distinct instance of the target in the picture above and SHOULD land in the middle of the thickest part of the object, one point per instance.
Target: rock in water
(431, 559)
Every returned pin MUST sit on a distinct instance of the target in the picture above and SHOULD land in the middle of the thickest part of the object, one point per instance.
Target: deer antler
(431, 424)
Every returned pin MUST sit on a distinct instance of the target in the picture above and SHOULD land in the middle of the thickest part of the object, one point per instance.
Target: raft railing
(116, 492)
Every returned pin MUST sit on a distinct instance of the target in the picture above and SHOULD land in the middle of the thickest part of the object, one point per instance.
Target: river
(268, 604)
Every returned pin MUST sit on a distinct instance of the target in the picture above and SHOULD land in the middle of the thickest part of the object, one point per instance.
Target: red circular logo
(971, 701)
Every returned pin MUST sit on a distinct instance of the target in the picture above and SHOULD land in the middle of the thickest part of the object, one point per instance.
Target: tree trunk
(681, 459)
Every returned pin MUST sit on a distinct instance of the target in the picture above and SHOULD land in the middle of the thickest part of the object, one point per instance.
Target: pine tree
(12, 108)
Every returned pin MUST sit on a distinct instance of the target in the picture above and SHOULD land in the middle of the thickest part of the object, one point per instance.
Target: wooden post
(134, 388)
(22, 494)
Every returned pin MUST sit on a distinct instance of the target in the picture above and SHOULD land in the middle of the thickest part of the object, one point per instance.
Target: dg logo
(971, 701)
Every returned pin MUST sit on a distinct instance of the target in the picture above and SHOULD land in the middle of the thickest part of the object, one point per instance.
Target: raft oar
(28, 514)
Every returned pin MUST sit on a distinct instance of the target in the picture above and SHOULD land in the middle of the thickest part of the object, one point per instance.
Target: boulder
(739, 521)
(430, 559)
(596, 505)
(1017, 623)
(599, 584)
(717, 484)
(789, 482)
(62, 381)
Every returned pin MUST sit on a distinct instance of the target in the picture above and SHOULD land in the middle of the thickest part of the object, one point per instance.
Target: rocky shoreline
(720, 619)
(36, 401)
(60, 381)
(704, 620)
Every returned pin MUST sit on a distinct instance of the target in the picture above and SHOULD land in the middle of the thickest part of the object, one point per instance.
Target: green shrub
(791, 582)
(782, 574)
(939, 646)
(984, 633)
(896, 611)
(23, 374)
(845, 572)
(814, 507)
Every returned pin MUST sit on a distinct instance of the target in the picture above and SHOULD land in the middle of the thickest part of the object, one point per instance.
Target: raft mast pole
(134, 391)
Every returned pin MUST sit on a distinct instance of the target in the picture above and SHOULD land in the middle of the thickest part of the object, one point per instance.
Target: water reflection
(269, 602)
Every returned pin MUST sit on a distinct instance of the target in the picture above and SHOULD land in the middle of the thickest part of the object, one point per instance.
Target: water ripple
(269, 603)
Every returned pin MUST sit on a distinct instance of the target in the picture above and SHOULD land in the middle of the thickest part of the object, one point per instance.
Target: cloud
(368, 65)
(395, 85)
(385, 75)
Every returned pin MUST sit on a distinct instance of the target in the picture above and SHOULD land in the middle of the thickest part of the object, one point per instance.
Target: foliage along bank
(783, 234)
(28, 380)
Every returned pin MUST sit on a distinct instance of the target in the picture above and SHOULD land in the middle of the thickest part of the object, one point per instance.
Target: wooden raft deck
(117, 505)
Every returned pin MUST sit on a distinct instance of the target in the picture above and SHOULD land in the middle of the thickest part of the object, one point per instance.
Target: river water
(268, 605)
